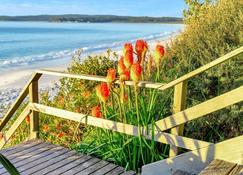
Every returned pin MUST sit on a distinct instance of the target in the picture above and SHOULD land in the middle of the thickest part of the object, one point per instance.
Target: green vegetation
(212, 30)
(93, 18)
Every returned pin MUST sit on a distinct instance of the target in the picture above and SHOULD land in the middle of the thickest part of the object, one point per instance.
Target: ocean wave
(17, 61)
(27, 60)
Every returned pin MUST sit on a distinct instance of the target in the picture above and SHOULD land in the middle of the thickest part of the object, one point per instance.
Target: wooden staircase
(217, 167)
(38, 158)
(200, 154)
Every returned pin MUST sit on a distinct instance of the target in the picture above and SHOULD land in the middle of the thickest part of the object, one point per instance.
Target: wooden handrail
(23, 94)
(128, 129)
(146, 84)
(202, 109)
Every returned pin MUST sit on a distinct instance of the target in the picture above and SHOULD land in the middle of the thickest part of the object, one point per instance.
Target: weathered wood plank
(68, 159)
(179, 104)
(45, 165)
(144, 84)
(22, 156)
(34, 116)
(72, 165)
(41, 160)
(31, 156)
(162, 137)
(81, 167)
(202, 109)
(20, 146)
(45, 158)
(116, 171)
(93, 168)
(218, 167)
(105, 169)
(25, 151)
(238, 170)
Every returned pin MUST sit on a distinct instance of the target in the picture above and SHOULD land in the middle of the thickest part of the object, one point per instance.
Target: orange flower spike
(58, 126)
(121, 66)
(126, 97)
(141, 50)
(103, 92)
(96, 112)
(98, 91)
(45, 127)
(61, 134)
(136, 72)
(27, 119)
(127, 48)
(159, 54)
(128, 59)
(125, 76)
(111, 75)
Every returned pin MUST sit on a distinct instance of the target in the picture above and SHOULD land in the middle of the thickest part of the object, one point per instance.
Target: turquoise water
(26, 44)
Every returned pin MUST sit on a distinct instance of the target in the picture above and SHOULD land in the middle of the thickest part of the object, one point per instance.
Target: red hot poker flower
(128, 59)
(159, 54)
(111, 75)
(96, 112)
(136, 72)
(141, 49)
(27, 119)
(127, 48)
(45, 127)
(121, 66)
(103, 92)
(61, 134)
(125, 76)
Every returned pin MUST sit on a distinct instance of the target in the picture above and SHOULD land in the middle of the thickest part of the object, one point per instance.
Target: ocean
(26, 45)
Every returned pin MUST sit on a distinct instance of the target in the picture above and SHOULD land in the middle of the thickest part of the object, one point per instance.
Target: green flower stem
(158, 73)
(112, 100)
(130, 97)
(138, 120)
(122, 102)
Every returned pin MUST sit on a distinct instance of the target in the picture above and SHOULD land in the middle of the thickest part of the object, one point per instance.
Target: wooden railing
(175, 122)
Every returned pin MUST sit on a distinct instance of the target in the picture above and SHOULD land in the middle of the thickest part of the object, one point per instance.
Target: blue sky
(115, 7)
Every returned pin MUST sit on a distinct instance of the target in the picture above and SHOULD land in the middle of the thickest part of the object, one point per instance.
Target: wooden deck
(38, 157)
(217, 167)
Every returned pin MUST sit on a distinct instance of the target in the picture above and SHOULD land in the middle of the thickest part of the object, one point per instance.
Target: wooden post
(34, 116)
(180, 91)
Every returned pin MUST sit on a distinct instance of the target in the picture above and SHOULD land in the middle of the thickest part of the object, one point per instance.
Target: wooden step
(220, 167)
(38, 157)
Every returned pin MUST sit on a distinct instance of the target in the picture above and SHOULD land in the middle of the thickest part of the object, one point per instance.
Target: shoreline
(12, 82)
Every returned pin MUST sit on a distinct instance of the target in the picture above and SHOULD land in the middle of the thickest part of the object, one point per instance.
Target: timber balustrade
(175, 122)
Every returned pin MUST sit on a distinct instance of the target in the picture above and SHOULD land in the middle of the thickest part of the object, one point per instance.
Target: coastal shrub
(212, 29)
(73, 95)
